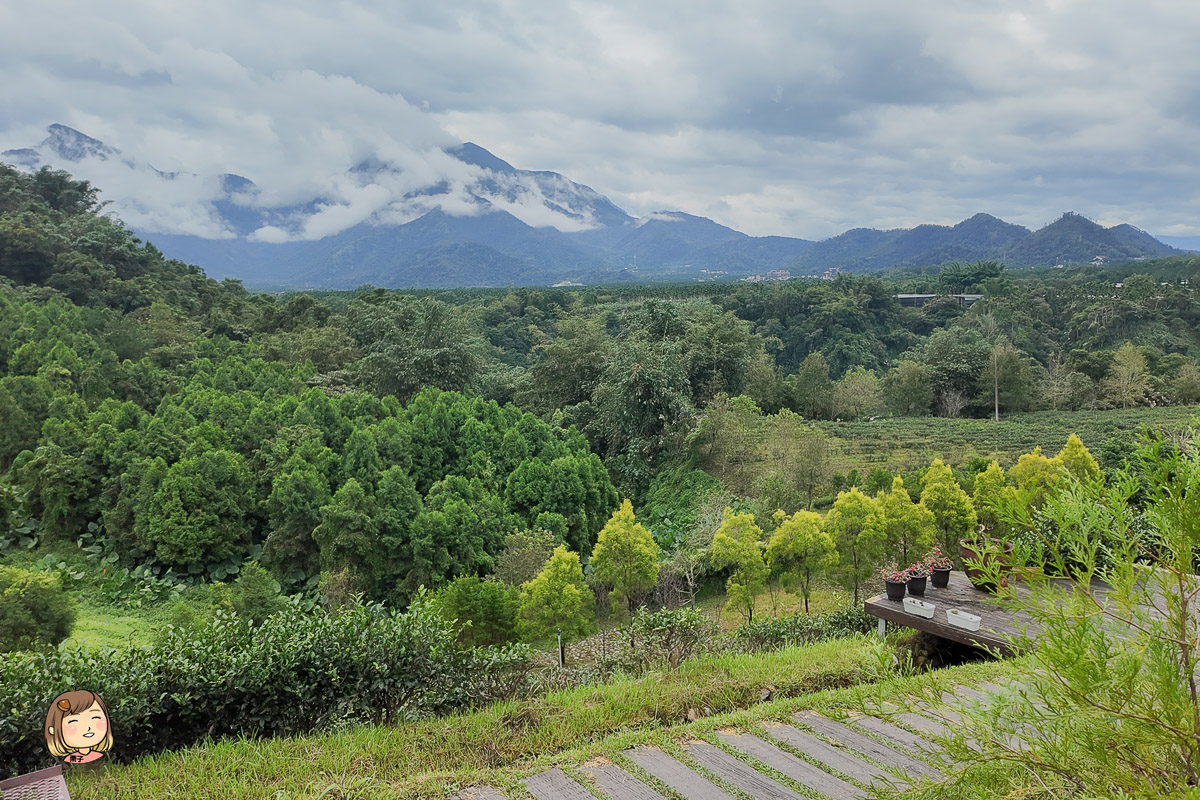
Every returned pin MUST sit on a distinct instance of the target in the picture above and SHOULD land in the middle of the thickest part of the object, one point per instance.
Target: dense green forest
(167, 421)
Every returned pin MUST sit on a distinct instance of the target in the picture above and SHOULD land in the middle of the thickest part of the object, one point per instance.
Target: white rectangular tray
(961, 619)
(919, 607)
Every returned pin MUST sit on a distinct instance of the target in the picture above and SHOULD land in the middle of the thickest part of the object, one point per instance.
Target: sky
(785, 117)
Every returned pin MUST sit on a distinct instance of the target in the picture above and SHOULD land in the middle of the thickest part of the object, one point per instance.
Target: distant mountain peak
(471, 153)
(72, 145)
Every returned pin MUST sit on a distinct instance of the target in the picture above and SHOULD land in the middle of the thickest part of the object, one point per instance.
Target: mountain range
(502, 225)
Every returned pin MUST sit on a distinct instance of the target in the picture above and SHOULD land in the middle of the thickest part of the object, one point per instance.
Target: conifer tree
(626, 555)
(558, 598)
(737, 545)
(953, 512)
(802, 549)
(856, 526)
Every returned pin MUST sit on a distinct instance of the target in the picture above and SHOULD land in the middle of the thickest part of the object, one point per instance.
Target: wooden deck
(997, 622)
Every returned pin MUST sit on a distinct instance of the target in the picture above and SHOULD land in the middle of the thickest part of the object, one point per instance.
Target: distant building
(918, 300)
(561, 284)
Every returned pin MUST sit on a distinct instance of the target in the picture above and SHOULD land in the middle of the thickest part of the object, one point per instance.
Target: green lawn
(97, 626)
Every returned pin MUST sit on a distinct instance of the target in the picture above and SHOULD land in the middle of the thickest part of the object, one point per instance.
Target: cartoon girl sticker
(77, 728)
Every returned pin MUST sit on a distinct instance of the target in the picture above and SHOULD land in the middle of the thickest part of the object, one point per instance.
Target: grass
(419, 758)
(97, 626)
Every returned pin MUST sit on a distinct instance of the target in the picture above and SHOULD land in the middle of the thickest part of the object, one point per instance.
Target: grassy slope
(505, 742)
(909, 443)
(462, 747)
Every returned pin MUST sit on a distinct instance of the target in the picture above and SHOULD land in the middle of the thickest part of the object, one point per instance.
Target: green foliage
(909, 529)
(1036, 476)
(801, 548)
(625, 556)
(664, 639)
(524, 555)
(954, 516)
(908, 389)
(1077, 460)
(773, 633)
(1128, 378)
(254, 595)
(857, 527)
(35, 612)
(990, 487)
(485, 610)
(557, 598)
(737, 546)
(294, 674)
(857, 394)
(1124, 660)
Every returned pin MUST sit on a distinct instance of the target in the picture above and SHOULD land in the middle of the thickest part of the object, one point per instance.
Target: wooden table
(997, 623)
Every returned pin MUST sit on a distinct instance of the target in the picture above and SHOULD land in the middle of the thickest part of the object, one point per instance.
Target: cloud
(800, 118)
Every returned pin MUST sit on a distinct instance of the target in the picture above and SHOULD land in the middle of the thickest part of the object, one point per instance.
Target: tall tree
(908, 528)
(856, 526)
(953, 512)
(801, 547)
(626, 555)
(558, 598)
(908, 389)
(1077, 460)
(737, 546)
(1128, 377)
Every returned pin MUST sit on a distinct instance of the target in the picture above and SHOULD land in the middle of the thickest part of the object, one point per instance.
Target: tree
(956, 357)
(35, 612)
(349, 534)
(1128, 377)
(811, 389)
(485, 610)
(626, 555)
(953, 512)
(200, 513)
(737, 546)
(731, 428)
(908, 528)
(801, 547)
(297, 496)
(799, 456)
(908, 389)
(990, 486)
(1008, 377)
(1185, 387)
(524, 555)
(1065, 388)
(857, 394)
(1036, 476)
(856, 526)
(558, 598)
(1077, 460)
(254, 595)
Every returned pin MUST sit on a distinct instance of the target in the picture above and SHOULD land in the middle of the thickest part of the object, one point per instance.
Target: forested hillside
(173, 422)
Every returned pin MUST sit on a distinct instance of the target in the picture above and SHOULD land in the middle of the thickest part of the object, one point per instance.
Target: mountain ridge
(501, 224)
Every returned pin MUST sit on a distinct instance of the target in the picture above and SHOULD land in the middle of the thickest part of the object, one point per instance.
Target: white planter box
(919, 607)
(961, 619)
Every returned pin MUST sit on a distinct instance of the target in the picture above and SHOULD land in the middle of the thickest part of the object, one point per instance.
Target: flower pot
(895, 590)
(940, 578)
(964, 620)
(985, 552)
(916, 585)
(919, 607)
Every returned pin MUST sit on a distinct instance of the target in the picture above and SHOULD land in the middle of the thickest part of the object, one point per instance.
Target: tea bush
(295, 673)
(34, 611)
(772, 633)
(664, 638)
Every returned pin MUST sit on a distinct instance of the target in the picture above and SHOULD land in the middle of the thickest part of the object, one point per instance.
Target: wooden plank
(479, 793)
(936, 727)
(835, 757)
(895, 734)
(797, 769)
(687, 782)
(848, 737)
(556, 785)
(739, 774)
(618, 784)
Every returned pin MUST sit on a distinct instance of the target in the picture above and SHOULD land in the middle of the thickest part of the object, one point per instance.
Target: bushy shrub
(773, 633)
(255, 595)
(294, 674)
(665, 638)
(34, 610)
(485, 611)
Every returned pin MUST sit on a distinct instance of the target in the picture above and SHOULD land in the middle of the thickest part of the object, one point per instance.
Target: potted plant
(939, 566)
(918, 574)
(895, 579)
(983, 553)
